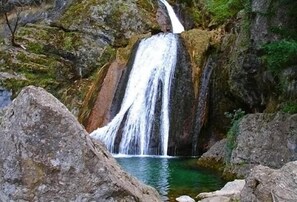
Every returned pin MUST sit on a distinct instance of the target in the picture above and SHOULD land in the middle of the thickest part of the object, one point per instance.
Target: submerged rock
(45, 154)
(266, 184)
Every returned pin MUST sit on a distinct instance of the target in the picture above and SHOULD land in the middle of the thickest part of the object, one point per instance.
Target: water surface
(172, 177)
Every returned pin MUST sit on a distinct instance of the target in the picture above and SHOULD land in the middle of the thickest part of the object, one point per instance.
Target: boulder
(46, 155)
(229, 192)
(266, 184)
(214, 158)
(266, 139)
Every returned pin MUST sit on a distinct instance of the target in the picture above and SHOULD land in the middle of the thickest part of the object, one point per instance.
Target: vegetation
(235, 117)
(290, 107)
(221, 10)
(6, 8)
(280, 54)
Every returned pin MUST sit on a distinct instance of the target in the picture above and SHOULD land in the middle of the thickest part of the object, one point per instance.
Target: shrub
(290, 107)
(280, 54)
(221, 10)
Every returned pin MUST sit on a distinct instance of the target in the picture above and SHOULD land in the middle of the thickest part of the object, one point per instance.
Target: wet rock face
(45, 154)
(163, 18)
(182, 101)
(101, 111)
(266, 184)
(266, 139)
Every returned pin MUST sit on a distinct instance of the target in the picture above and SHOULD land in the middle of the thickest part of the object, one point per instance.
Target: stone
(46, 155)
(266, 184)
(216, 199)
(184, 198)
(214, 158)
(231, 190)
(266, 139)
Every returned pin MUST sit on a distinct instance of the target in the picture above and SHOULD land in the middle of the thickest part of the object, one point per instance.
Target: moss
(197, 16)
(15, 85)
(35, 47)
(69, 41)
(108, 55)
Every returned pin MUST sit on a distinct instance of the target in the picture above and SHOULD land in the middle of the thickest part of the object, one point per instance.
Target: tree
(6, 8)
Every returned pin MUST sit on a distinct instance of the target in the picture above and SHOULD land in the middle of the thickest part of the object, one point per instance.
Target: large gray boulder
(46, 155)
(266, 184)
(264, 139)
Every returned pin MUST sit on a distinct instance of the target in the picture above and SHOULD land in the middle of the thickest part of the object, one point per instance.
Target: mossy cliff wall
(67, 45)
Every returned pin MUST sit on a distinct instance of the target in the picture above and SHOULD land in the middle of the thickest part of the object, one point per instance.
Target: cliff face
(254, 58)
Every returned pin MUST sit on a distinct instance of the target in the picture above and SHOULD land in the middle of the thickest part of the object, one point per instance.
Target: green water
(172, 177)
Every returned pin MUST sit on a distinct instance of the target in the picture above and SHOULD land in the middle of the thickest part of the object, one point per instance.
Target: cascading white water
(153, 66)
(177, 27)
(150, 78)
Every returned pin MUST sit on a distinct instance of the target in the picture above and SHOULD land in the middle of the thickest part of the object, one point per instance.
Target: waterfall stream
(145, 106)
(201, 109)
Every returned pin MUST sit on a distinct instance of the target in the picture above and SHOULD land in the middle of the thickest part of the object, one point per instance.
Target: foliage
(280, 54)
(235, 118)
(221, 10)
(290, 107)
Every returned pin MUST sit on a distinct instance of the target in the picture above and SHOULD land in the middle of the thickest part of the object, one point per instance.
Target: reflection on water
(171, 177)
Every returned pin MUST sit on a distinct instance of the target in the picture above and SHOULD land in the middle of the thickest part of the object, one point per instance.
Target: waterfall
(177, 27)
(145, 106)
(201, 109)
